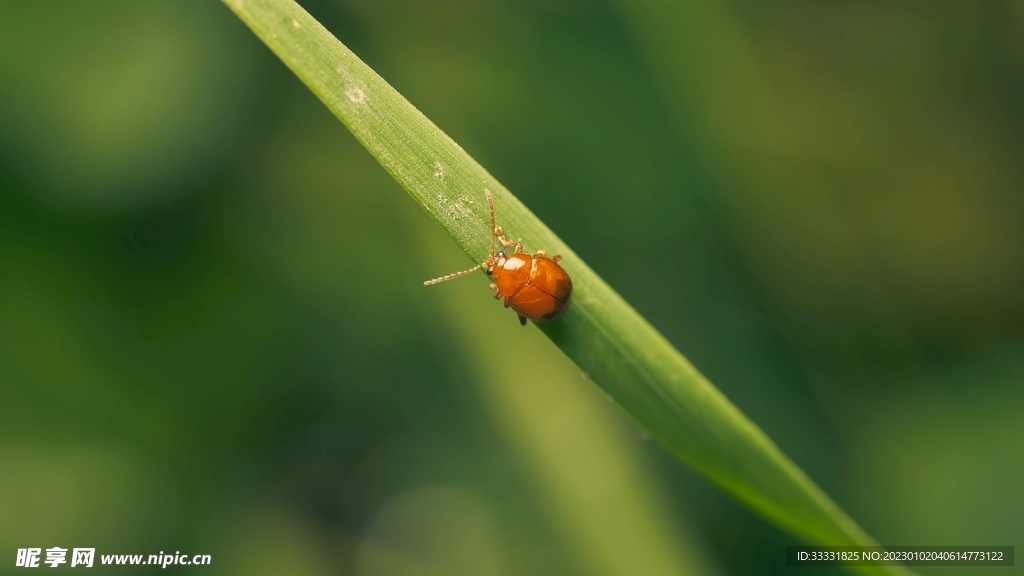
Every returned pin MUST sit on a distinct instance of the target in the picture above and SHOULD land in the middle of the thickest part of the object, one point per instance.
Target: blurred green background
(214, 336)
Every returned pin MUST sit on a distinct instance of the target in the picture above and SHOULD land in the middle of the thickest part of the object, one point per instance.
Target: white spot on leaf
(353, 87)
(296, 24)
(453, 210)
(356, 95)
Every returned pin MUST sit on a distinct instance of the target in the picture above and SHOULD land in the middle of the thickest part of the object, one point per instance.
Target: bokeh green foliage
(213, 335)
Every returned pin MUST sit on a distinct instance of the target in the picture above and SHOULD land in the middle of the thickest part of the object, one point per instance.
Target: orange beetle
(536, 287)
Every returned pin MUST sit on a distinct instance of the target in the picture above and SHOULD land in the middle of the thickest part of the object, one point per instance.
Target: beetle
(535, 287)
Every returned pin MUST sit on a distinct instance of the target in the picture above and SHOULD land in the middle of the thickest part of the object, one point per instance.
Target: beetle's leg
(506, 302)
(497, 293)
(500, 234)
(522, 320)
(554, 258)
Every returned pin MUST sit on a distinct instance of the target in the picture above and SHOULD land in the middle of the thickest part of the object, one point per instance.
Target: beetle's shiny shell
(536, 287)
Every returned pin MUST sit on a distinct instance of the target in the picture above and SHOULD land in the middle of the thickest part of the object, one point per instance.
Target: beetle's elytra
(535, 287)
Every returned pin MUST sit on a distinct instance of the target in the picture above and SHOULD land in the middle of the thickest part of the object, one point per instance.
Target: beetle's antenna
(494, 236)
(496, 232)
(494, 226)
(450, 276)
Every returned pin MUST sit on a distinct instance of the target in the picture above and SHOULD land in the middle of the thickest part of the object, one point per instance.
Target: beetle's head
(495, 262)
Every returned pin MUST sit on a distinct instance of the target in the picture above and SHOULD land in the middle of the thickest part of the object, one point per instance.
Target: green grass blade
(600, 332)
